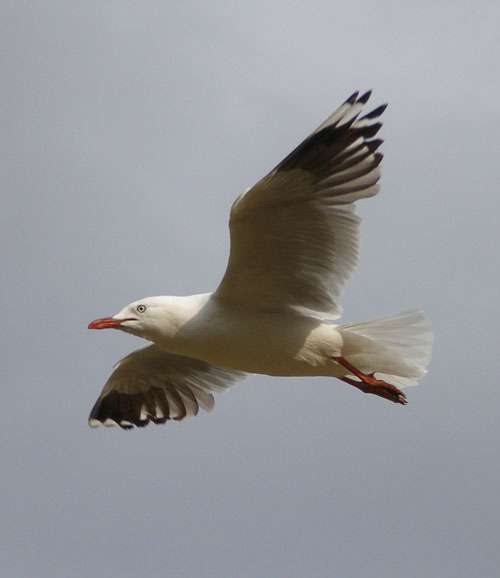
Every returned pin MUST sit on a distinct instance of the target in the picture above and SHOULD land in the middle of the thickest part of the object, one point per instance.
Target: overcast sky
(128, 128)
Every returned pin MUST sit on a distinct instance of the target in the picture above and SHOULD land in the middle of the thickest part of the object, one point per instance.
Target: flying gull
(294, 245)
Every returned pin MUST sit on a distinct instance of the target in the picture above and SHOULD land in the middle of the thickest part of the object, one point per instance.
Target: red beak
(106, 323)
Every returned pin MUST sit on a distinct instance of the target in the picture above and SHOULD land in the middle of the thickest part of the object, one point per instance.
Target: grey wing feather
(294, 235)
(151, 384)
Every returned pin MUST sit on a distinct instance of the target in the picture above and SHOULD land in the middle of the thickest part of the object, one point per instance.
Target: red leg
(370, 384)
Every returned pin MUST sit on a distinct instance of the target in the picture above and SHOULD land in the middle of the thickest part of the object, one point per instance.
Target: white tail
(397, 348)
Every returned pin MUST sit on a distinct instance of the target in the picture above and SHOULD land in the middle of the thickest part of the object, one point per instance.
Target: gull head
(140, 318)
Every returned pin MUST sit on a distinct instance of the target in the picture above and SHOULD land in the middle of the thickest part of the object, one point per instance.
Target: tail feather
(397, 348)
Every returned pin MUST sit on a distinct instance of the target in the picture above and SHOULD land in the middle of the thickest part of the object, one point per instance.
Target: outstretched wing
(294, 235)
(153, 385)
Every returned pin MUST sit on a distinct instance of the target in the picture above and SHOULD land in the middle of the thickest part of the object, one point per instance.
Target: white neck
(171, 313)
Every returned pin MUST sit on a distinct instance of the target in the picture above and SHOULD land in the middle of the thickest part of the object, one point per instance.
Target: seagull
(294, 245)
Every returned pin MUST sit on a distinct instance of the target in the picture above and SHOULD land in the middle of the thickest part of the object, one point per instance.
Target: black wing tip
(355, 98)
(369, 131)
(125, 424)
(374, 144)
(363, 99)
(130, 410)
(333, 139)
(352, 98)
(378, 157)
(375, 113)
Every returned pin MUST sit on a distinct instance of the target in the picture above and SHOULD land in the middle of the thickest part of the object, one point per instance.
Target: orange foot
(370, 384)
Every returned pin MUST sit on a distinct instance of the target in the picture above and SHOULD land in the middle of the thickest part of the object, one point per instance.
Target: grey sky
(128, 128)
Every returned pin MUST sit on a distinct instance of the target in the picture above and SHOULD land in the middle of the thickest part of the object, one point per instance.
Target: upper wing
(294, 235)
(153, 385)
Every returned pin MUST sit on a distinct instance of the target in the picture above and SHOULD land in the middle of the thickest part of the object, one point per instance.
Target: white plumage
(294, 245)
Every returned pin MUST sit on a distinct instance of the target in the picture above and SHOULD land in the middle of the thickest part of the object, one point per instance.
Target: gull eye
(141, 308)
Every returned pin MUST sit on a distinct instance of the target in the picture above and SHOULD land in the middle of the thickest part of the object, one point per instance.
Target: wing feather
(153, 385)
(294, 235)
